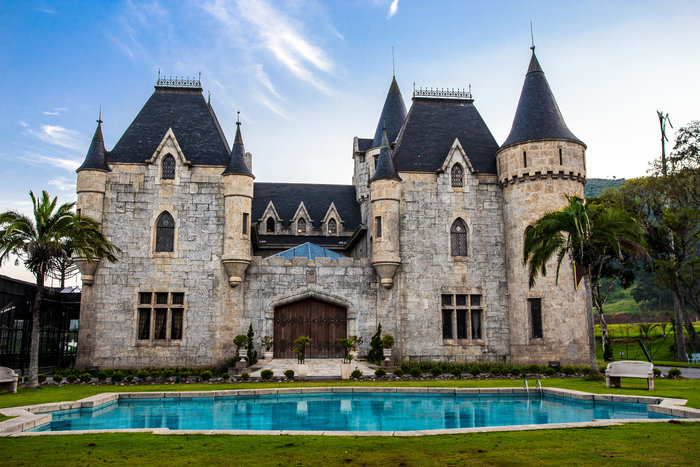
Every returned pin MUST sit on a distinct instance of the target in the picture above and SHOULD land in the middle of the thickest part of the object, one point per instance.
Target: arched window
(332, 227)
(457, 176)
(270, 225)
(301, 226)
(458, 238)
(168, 168)
(165, 232)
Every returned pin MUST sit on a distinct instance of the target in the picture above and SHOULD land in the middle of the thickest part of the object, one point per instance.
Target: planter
(301, 371)
(267, 355)
(345, 370)
(387, 354)
(355, 354)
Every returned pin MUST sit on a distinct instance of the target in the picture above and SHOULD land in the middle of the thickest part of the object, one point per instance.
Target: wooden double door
(323, 322)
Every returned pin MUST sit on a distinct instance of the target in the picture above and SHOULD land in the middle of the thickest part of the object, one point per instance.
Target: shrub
(594, 376)
(398, 372)
(456, 371)
(117, 377)
(129, 377)
(245, 376)
(436, 370)
(230, 362)
(71, 378)
(379, 372)
(475, 371)
(300, 347)
(167, 373)
(388, 341)
(376, 353)
(205, 375)
(416, 373)
(657, 372)
(57, 378)
(674, 372)
(101, 375)
(265, 374)
(356, 373)
(551, 371)
(42, 378)
(515, 371)
(568, 369)
(250, 349)
(289, 374)
(85, 377)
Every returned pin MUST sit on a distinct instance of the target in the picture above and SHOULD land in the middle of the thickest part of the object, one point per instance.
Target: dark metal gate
(323, 322)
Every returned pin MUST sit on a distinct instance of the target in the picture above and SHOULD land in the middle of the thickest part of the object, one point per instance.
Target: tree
(41, 244)
(570, 232)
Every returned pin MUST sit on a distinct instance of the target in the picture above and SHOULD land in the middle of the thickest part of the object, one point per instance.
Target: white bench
(8, 379)
(629, 369)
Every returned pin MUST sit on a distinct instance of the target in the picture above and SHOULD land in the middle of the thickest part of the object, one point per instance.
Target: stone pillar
(238, 200)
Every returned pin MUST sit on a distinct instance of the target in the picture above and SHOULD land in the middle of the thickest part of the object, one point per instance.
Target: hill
(595, 186)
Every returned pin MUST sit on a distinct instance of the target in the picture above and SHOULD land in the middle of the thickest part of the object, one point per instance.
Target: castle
(426, 241)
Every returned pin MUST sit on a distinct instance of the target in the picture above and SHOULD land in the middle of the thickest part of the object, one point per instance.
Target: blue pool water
(342, 412)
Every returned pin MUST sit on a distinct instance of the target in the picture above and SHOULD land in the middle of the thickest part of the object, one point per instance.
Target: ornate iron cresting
(181, 82)
(443, 93)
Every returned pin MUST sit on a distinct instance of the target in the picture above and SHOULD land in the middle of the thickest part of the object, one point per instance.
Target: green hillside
(595, 186)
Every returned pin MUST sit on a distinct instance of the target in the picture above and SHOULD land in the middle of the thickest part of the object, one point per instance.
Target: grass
(619, 444)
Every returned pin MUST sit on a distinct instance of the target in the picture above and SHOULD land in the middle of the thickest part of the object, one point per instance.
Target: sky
(308, 75)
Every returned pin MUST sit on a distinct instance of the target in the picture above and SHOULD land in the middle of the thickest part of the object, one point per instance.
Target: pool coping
(32, 416)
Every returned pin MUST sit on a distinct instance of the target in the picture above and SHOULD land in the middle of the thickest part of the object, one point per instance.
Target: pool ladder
(527, 387)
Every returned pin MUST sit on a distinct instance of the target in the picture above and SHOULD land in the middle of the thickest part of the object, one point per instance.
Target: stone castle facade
(426, 241)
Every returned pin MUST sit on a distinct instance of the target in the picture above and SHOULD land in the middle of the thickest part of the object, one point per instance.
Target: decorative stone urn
(268, 354)
(87, 269)
(235, 269)
(301, 371)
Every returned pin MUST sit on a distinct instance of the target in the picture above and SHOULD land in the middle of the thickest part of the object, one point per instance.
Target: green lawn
(663, 443)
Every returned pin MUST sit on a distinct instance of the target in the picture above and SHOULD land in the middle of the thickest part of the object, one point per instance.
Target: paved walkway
(690, 373)
(324, 368)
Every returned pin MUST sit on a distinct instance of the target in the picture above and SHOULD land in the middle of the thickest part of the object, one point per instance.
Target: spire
(393, 115)
(385, 164)
(538, 116)
(237, 164)
(96, 158)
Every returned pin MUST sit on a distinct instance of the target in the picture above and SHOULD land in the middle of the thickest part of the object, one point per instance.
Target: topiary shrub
(142, 374)
(672, 373)
(85, 377)
(356, 374)
(657, 373)
(416, 373)
(225, 376)
(436, 371)
(266, 374)
(515, 370)
(379, 372)
(376, 351)
(456, 372)
(549, 371)
(71, 378)
(167, 373)
(475, 371)
(205, 375)
(57, 378)
(594, 376)
(398, 372)
(289, 374)
(117, 377)
(245, 376)
(101, 376)
(42, 378)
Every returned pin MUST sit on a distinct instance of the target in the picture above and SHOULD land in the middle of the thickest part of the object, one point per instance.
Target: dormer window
(457, 176)
(301, 226)
(168, 168)
(332, 227)
(270, 225)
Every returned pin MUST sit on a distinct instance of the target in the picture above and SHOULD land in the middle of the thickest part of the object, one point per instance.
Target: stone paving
(325, 368)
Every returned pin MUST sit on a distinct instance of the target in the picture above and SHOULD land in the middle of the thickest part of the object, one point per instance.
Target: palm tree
(41, 244)
(572, 232)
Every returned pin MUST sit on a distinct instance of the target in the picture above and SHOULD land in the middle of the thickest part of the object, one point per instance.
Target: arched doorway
(324, 322)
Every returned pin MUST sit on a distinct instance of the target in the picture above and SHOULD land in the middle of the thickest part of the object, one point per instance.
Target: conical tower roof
(385, 165)
(237, 164)
(538, 116)
(393, 115)
(96, 158)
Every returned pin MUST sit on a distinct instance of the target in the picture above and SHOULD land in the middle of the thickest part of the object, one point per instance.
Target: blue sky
(309, 75)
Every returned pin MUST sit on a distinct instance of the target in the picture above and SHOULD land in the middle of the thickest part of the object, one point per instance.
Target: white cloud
(55, 111)
(55, 134)
(63, 184)
(60, 162)
(265, 80)
(23, 124)
(393, 8)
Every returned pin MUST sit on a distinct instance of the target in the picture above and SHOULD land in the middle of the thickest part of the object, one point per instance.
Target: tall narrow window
(270, 225)
(245, 223)
(332, 227)
(165, 232)
(458, 238)
(301, 226)
(561, 159)
(535, 305)
(168, 168)
(457, 176)
(378, 226)
(524, 159)
(144, 324)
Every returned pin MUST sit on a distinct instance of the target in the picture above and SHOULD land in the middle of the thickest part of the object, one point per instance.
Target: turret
(539, 163)
(91, 186)
(385, 194)
(238, 199)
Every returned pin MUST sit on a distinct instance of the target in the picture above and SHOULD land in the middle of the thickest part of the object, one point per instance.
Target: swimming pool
(342, 411)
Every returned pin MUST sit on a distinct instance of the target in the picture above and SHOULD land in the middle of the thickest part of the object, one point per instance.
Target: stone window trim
(301, 226)
(245, 228)
(459, 240)
(462, 318)
(152, 305)
(535, 329)
(270, 225)
(378, 227)
(167, 168)
(164, 236)
(332, 227)
(457, 176)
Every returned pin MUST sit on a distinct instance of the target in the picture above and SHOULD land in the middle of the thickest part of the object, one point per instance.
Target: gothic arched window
(301, 226)
(168, 168)
(457, 176)
(165, 232)
(458, 238)
(332, 227)
(270, 225)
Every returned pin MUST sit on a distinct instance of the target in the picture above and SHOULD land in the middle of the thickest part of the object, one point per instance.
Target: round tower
(385, 195)
(540, 162)
(238, 199)
(91, 186)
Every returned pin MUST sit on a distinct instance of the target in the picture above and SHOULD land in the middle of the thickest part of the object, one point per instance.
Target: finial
(393, 68)
(238, 118)
(99, 119)
(200, 78)
(532, 39)
(159, 74)
(384, 127)
(209, 97)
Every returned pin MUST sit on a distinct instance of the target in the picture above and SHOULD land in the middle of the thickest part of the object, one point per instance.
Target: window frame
(270, 222)
(457, 171)
(332, 227)
(377, 226)
(164, 230)
(170, 175)
(535, 326)
(456, 236)
(299, 230)
(174, 306)
(462, 332)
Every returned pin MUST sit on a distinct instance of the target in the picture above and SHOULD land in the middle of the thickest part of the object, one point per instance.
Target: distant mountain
(595, 186)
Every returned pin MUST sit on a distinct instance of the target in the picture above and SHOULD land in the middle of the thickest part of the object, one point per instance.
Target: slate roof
(430, 130)
(317, 199)
(538, 116)
(309, 250)
(385, 165)
(393, 115)
(192, 120)
(237, 164)
(96, 157)
(364, 144)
